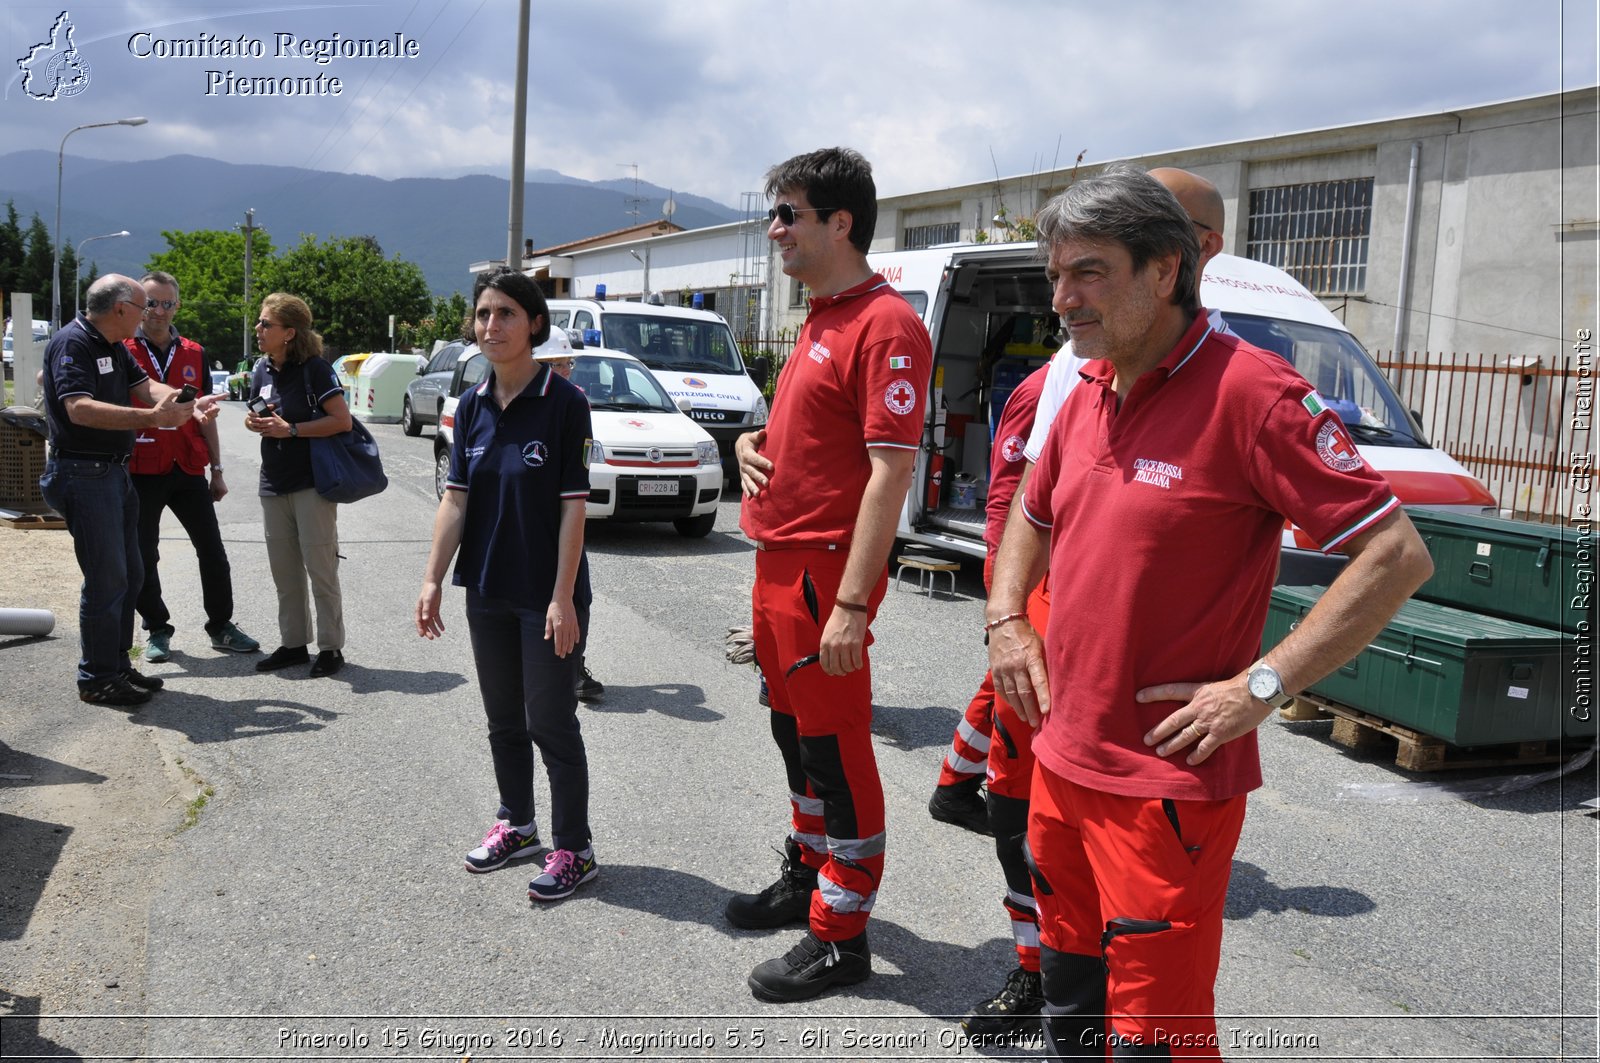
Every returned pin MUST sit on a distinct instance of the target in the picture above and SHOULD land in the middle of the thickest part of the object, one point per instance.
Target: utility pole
(249, 228)
(519, 136)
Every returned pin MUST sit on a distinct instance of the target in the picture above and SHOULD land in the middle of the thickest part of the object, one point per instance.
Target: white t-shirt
(1059, 382)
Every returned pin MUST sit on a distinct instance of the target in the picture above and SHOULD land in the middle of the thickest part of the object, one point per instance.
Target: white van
(691, 352)
(987, 307)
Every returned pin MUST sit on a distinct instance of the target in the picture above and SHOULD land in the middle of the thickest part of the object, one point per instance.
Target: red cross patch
(901, 397)
(1336, 449)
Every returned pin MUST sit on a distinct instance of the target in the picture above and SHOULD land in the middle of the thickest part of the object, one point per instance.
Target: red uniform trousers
(823, 727)
(969, 749)
(1140, 882)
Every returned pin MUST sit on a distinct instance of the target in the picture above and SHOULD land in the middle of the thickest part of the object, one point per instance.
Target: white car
(649, 461)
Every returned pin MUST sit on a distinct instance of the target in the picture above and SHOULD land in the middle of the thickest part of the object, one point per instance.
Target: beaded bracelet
(991, 625)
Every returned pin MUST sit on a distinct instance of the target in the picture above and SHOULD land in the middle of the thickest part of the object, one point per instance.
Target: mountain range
(441, 224)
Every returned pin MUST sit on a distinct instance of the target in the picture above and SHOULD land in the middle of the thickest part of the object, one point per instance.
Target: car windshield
(619, 384)
(1341, 371)
(673, 343)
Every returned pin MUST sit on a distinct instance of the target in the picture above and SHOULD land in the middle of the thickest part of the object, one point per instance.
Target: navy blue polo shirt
(297, 392)
(517, 466)
(80, 361)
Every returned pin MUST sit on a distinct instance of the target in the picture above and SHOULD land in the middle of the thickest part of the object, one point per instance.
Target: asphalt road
(319, 908)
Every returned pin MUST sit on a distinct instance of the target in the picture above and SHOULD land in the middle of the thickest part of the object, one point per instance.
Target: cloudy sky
(703, 95)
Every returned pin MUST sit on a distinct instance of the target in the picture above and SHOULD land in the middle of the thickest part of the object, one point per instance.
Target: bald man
(88, 379)
(1007, 765)
(1203, 203)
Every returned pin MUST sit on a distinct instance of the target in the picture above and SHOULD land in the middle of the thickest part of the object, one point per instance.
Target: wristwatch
(294, 431)
(216, 468)
(1267, 685)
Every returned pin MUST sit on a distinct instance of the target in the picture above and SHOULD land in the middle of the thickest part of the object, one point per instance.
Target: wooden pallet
(31, 521)
(1415, 751)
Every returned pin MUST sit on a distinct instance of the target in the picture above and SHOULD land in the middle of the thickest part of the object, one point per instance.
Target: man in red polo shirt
(1158, 501)
(823, 485)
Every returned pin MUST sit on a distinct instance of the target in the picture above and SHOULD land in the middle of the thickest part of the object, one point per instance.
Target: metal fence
(1509, 420)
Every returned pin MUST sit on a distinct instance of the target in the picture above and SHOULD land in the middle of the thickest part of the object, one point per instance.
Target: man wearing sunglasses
(169, 472)
(89, 382)
(823, 484)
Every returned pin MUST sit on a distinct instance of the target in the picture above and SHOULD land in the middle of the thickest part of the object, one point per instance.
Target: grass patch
(191, 812)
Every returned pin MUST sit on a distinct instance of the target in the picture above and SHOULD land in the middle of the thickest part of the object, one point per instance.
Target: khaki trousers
(303, 541)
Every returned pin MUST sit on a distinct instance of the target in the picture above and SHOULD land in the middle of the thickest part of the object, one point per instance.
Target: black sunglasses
(785, 213)
(165, 304)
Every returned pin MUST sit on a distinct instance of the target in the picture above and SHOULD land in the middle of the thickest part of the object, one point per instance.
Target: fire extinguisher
(936, 452)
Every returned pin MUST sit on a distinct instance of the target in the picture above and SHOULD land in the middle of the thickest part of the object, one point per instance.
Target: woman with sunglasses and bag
(294, 397)
(514, 507)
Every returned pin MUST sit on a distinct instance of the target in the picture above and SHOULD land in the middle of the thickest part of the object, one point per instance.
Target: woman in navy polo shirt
(302, 527)
(513, 505)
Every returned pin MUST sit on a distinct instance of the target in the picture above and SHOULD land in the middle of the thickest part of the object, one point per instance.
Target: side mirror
(685, 405)
(759, 368)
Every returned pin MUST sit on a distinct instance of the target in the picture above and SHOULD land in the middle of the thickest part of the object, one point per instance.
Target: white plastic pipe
(27, 621)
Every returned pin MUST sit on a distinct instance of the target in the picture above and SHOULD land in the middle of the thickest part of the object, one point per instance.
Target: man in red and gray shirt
(823, 485)
(1159, 502)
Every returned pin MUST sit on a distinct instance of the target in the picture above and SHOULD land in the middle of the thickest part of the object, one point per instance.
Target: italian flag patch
(900, 362)
(1313, 403)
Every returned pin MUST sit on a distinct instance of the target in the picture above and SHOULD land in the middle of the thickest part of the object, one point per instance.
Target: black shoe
(327, 663)
(283, 657)
(114, 691)
(1018, 1002)
(811, 968)
(960, 805)
(590, 688)
(786, 901)
(143, 682)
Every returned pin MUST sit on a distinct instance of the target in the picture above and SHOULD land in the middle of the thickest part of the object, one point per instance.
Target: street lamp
(55, 243)
(77, 266)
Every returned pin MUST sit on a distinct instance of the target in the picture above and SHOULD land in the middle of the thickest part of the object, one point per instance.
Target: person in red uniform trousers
(992, 742)
(168, 470)
(823, 484)
(1158, 503)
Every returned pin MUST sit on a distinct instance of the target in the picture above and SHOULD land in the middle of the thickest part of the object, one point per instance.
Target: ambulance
(987, 308)
(691, 352)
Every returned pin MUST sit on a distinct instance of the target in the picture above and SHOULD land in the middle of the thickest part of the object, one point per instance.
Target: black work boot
(811, 968)
(1017, 1003)
(786, 901)
(961, 804)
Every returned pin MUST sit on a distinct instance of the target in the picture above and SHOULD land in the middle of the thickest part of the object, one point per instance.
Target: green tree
(444, 322)
(36, 268)
(351, 289)
(209, 265)
(13, 250)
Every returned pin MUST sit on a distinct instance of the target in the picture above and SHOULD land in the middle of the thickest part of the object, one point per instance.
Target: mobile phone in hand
(187, 393)
(260, 407)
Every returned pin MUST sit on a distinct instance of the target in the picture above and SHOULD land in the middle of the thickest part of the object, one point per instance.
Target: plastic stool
(928, 568)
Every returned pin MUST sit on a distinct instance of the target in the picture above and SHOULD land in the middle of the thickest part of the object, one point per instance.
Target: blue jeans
(530, 697)
(102, 514)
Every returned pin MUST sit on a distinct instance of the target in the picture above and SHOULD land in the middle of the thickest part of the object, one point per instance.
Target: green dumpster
(1470, 680)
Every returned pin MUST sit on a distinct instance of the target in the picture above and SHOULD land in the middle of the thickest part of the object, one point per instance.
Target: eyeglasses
(165, 304)
(1202, 225)
(267, 324)
(785, 213)
(137, 306)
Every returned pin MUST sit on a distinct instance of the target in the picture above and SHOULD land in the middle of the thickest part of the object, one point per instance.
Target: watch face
(1264, 683)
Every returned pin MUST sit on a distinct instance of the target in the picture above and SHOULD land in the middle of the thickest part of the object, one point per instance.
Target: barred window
(798, 294)
(920, 236)
(1317, 233)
